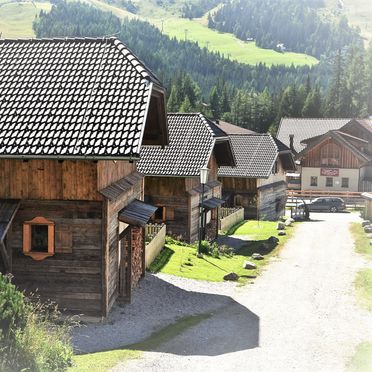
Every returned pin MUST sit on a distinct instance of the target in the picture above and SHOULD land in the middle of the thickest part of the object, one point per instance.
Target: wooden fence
(155, 241)
(230, 217)
(310, 194)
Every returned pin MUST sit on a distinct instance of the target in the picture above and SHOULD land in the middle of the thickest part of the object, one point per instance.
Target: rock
(257, 256)
(231, 277)
(281, 226)
(273, 240)
(369, 236)
(289, 222)
(249, 265)
(368, 229)
(366, 223)
(282, 233)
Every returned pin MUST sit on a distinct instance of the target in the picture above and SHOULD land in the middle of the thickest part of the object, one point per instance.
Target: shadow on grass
(248, 247)
(161, 260)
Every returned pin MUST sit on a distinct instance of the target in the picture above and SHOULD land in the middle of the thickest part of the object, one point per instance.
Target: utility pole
(162, 25)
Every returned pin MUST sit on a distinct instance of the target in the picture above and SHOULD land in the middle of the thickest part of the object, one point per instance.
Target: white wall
(352, 174)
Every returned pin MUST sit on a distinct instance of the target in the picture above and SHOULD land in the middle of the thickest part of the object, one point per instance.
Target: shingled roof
(72, 98)
(306, 128)
(255, 156)
(192, 138)
(233, 129)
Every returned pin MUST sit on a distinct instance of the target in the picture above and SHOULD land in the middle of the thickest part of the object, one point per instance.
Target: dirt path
(300, 315)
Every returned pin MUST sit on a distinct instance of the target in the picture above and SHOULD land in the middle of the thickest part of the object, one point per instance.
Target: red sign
(329, 172)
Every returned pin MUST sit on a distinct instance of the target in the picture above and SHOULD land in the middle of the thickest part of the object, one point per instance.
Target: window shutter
(63, 239)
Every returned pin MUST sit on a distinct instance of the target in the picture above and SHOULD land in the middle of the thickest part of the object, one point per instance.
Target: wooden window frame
(314, 184)
(27, 229)
(345, 182)
(326, 183)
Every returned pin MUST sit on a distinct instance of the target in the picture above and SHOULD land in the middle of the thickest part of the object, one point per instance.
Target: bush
(32, 336)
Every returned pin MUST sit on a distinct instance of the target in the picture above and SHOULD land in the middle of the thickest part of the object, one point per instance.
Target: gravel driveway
(300, 315)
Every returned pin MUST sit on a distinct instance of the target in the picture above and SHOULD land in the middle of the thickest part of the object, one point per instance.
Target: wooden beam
(128, 273)
(105, 259)
(5, 256)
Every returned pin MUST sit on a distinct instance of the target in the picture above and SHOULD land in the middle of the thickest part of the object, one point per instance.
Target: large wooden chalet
(172, 175)
(258, 182)
(338, 159)
(74, 114)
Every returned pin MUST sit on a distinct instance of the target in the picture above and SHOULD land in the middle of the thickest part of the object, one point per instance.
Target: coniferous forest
(255, 97)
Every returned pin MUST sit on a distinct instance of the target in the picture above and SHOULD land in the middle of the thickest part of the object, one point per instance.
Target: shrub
(205, 247)
(32, 336)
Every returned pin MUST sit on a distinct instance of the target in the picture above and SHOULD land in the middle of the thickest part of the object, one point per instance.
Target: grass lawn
(363, 284)
(360, 239)
(362, 360)
(182, 260)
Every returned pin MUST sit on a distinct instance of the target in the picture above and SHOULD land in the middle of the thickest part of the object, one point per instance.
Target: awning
(213, 203)
(137, 213)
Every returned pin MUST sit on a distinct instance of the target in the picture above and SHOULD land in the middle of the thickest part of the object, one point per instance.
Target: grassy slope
(16, 18)
(359, 13)
(362, 360)
(16, 21)
(182, 261)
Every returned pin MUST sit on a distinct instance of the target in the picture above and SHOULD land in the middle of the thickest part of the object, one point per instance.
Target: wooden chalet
(74, 114)
(172, 176)
(257, 183)
(339, 160)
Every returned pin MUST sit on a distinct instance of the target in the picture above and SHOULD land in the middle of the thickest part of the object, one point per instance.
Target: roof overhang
(137, 213)
(213, 203)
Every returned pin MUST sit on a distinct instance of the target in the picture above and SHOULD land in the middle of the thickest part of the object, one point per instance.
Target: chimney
(291, 138)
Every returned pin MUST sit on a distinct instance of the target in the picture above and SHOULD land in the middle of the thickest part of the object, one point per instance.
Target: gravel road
(300, 315)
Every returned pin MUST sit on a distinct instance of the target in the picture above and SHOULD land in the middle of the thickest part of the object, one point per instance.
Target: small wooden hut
(258, 182)
(74, 114)
(172, 176)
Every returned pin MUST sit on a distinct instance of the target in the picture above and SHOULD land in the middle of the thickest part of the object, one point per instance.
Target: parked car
(325, 205)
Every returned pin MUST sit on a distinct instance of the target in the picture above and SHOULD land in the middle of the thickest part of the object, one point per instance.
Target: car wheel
(333, 209)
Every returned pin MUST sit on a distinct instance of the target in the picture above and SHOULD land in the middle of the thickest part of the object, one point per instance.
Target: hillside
(14, 24)
(359, 13)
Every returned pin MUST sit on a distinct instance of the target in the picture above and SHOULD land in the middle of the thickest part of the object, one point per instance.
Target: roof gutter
(69, 157)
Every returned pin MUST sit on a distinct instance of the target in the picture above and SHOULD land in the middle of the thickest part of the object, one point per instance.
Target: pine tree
(214, 101)
(369, 78)
(186, 105)
(312, 107)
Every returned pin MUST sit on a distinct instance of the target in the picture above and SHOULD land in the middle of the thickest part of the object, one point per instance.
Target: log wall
(111, 259)
(48, 180)
(71, 279)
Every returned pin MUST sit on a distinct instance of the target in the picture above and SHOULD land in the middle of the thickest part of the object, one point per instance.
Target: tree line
(292, 24)
(255, 97)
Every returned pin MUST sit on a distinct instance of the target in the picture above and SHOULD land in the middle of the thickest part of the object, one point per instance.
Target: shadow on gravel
(166, 318)
(228, 328)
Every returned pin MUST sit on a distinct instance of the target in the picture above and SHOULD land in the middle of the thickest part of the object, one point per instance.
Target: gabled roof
(72, 98)
(233, 129)
(306, 128)
(342, 138)
(192, 139)
(255, 156)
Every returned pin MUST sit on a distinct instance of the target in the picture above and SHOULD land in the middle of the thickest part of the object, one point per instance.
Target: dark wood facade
(83, 275)
(179, 198)
(330, 153)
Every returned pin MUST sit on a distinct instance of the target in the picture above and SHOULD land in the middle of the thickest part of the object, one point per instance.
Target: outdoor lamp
(203, 180)
(204, 175)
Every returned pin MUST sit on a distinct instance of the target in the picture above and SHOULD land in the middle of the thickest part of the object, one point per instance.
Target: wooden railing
(152, 229)
(310, 194)
(225, 212)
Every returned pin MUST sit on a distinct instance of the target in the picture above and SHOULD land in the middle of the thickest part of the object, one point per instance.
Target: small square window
(345, 182)
(313, 181)
(38, 238)
(159, 215)
(329, 182)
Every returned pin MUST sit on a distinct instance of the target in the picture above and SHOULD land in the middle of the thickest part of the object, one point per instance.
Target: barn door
(125, 264)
